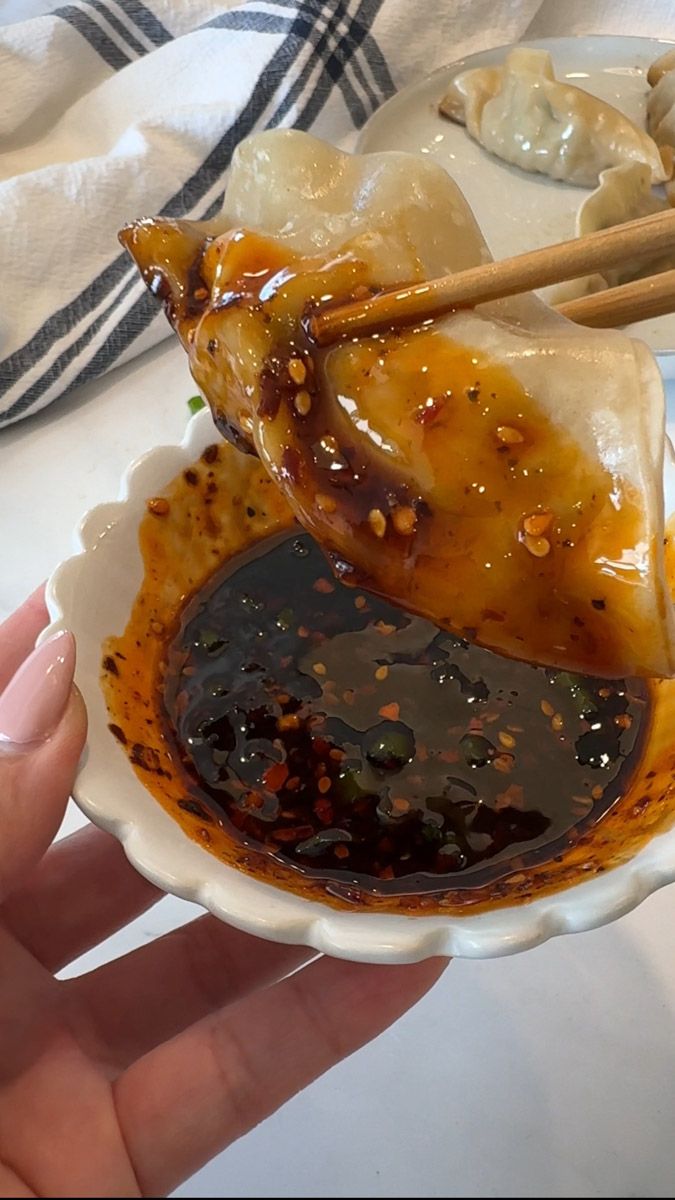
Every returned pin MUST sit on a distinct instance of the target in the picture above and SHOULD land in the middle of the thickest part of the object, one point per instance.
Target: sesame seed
(319, 668)
(297, 370)
(324, 784)
(377, 522)
(384, 628)
(557, 722)
(381, 673)
(403, 519)
(538, 547)
(303, 403)
(537, 523)
(360, 602)
(547, 709)
(509, 436)
(158, 506)
(506, 740)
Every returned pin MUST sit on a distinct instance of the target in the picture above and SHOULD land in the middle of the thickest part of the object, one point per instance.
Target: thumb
(42, 731)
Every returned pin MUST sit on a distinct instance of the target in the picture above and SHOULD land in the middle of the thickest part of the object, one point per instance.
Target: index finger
(18, 634)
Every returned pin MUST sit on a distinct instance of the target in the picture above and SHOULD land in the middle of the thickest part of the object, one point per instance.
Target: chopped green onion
(582, 697)
(210, 641)
(195, 403)
(284, 620)
(322, 841)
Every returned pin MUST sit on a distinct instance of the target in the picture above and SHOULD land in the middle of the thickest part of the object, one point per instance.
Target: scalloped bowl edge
(89, 594)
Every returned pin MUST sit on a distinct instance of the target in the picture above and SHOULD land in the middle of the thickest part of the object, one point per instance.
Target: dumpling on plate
(624, 194)
(661, 66)
(661, 103)
(498, 471)
(523, 115)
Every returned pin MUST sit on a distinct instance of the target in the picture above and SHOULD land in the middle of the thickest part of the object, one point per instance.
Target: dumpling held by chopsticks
(498, 471)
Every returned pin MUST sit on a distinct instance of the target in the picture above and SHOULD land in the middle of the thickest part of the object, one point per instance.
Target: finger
(143, 999)
(18, 634)
(34, 789)
(186, 1100)
(82, 891)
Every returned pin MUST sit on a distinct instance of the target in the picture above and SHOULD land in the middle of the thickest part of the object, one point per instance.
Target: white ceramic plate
(517, 211)
(92, 593)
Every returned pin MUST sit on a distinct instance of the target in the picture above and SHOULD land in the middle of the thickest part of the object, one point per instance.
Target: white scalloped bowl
(92, 593)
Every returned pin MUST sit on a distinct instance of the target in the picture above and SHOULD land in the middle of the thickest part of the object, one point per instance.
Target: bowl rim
(110, 794)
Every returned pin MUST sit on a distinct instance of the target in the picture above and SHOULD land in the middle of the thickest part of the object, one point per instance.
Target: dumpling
(522, 114)
(624, 194)
(499, 471)
(661, 66)
(661, 104)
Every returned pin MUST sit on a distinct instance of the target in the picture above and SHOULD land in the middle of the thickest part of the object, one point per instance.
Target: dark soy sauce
(363, 745)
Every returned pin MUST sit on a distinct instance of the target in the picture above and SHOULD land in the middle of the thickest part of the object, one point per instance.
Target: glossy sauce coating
(425, 470)
(369, 749)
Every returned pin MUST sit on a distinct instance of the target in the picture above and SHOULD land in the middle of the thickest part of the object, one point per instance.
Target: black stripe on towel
(144, 310)
(146, 21)
(121, 30)
(92, 33)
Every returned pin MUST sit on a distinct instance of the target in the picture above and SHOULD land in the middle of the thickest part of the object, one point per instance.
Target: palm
(60, 1132)
(123, 1081)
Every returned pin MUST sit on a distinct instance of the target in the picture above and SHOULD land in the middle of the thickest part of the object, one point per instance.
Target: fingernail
(34, 701)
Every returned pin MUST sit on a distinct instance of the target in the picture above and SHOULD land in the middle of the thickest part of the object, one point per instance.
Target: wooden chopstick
(538, 268)
(653, 296)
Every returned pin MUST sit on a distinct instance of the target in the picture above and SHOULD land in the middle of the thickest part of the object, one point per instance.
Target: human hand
(123, 1081)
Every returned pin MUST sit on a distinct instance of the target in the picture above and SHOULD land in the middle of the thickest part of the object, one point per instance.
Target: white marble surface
(552, 1073)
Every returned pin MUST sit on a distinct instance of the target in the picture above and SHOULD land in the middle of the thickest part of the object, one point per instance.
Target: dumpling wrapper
(624, 194)
(661, 107)
(523, 115)
(378, 439)
(660, 67)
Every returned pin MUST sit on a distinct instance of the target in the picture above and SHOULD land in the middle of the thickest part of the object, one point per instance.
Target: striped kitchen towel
(112, 109)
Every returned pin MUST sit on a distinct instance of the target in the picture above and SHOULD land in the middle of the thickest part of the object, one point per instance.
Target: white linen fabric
(112, 109)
